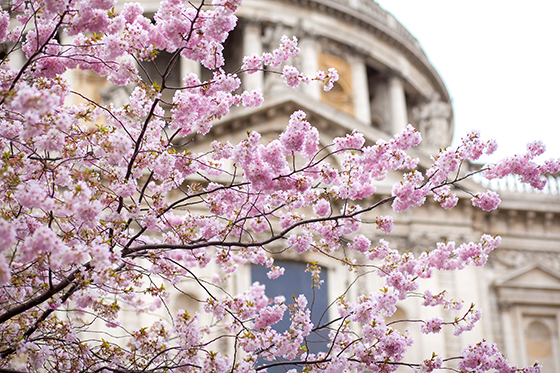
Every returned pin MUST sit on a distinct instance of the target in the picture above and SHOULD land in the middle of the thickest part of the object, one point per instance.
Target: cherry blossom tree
(104, 208)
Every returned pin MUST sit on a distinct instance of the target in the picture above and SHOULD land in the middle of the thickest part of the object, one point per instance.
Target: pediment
(533, 276)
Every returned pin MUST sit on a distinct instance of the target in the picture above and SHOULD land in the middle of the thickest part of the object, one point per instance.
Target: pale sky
(500, 60)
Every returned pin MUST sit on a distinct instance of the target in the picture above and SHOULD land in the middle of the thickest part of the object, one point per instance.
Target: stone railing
(369, 7)
(512, 184)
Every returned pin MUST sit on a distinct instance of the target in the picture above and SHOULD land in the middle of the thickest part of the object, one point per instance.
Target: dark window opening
(296, 281)
(233, 53)
(378, 100)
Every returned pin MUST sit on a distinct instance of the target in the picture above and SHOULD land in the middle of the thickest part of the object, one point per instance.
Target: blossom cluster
(114, 208)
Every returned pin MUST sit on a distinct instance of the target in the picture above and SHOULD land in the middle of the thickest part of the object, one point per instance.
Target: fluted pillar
(17, 59)
(310, 65)
(397, 102)
(252, 44)
(187, 67)
(360, 90)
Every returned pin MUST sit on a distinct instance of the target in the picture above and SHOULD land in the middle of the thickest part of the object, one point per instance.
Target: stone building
(386, 81)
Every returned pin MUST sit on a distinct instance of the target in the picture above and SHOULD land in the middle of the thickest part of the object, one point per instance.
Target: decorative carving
(434, 121)
(548, 221)
(530, 220)
(336, 48)
(510, 259)
(374, 10)
(369, 16)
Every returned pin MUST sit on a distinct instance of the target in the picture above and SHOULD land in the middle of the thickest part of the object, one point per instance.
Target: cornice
(368, 15)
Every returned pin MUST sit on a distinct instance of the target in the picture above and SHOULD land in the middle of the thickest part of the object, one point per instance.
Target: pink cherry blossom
(291, 76)
(432, 325)
(385, 223)
(322, 207)
(4, 23)
(109, 208)
(486, 201)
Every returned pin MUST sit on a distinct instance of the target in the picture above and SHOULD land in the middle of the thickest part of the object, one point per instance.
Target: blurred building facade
(387, 81)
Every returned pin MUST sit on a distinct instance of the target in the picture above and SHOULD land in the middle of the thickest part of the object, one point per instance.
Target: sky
(500, 60)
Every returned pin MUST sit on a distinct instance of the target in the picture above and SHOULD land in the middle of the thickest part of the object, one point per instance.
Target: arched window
(538, 345)
(530, 300)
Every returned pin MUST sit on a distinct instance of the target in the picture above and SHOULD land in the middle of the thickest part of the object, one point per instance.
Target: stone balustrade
(512, 184)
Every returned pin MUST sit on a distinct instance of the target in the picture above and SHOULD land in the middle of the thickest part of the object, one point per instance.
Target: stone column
(187, 67)
(360, 90)
(397, 102)
(310, 65)
(252, 44)
(17, 59)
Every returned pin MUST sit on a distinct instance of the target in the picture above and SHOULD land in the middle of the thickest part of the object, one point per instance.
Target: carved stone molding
(511, 259)
(533, 284)
(369, 16)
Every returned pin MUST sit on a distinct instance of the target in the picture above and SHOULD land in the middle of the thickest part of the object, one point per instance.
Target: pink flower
(4, 23)
(288, 48)
(125, 72)
(432, 325)
(360, 243)
(135, 186)
(43, 240)
(300, 243)
(536, 148)
(408, 138)
(291, 76)
(363, 311)
(269, 316)
(275, 272)
(491, 146)
(330, 79)
(353, 141)
(384, 223)
(131, 11)
(446, 199)
(535, 368)
(252, 99)
(294, 137)
(486, 201)
(409, 192)
(483, 357)
(252, 64)
(101, 256)
(5, 272)
(468, 322)
(7, 235)
(322, 207)
(31, 194)
(428, 366)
